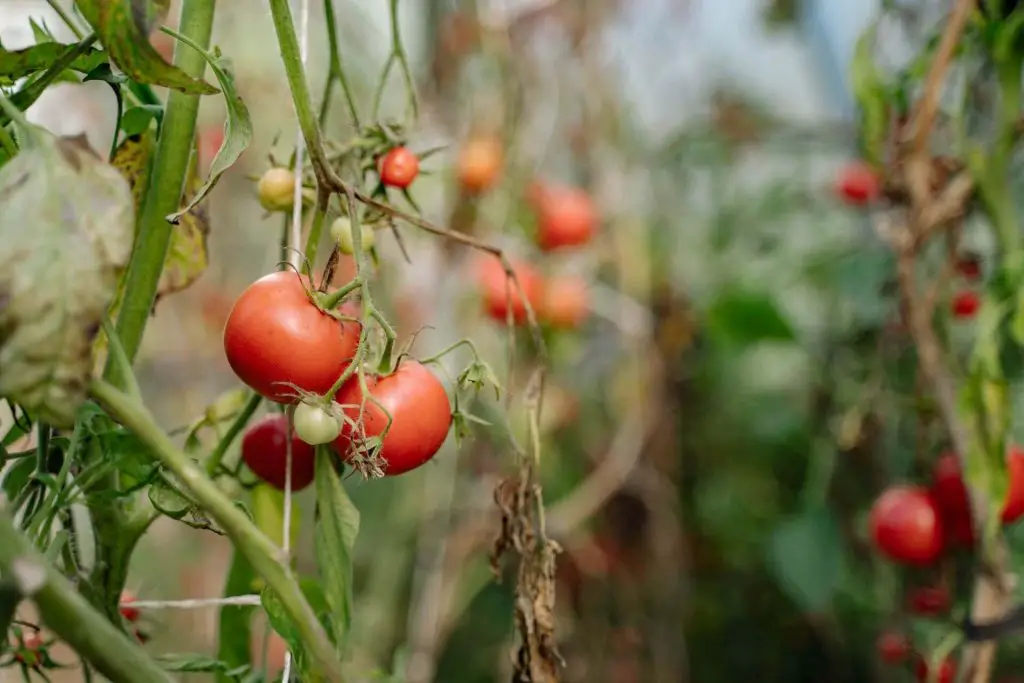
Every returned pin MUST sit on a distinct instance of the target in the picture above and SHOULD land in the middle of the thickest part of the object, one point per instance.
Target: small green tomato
(314, 425)
(277, 189)
(341, 232)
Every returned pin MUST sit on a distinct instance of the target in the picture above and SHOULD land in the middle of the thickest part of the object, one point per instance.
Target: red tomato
(566, 217)
(858, 184)
(965, 304)
(951, 494)
(968, 267)
(480, 163)
(906, 527)
(398, 168)
(945, 674)
(497, 295)
(275, 336)
(929, 601)
(127, 611)
(420, 416)
(893, 647)
(264, 451)
(566, 302)
(1013, 509)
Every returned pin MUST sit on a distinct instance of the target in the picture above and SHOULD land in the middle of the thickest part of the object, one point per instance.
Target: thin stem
(337, 69)
(69, 615)
(217, 456)
(323, 198)
(403, 61)
(260, 551)
(163, 195)
(65, 17)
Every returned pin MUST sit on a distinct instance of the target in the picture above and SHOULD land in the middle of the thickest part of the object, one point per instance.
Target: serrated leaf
(337, 526)
(65, 235)
(123, 27)
(237, 130)
(20, 63)
(168, 500)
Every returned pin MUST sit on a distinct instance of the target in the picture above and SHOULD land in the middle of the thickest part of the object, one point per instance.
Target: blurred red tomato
(893, 647)
(858, 184)
(945, 674)
(929, 601)
(906, 526)
(499, 290)
(566, 302)
(965, 304)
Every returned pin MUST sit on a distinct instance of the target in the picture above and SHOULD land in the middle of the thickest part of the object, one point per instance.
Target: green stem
(265, 558)
(217, 456)
(403, 61)
(330, 301)
(317, 228)
(163, 195)
(65, 17)
(69, 615)
(337, 69)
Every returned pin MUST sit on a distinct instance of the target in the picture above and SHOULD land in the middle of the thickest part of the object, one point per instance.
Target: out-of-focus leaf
(336, 529)
(806, 556)
(136, 120)
(235, 626)
(123, 27)
(237, 130)
(744, 318)
(17, 477)
(870, 92)
(168, 500)
(65, 234)
(20, 63)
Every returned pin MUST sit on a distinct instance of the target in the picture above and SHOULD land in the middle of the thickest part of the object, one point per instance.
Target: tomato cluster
(894, 648)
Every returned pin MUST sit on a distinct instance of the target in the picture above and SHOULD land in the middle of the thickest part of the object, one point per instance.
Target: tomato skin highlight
(566, 302)
(275, 336)
(858, 184)
(421, 416)
(965, 304)
(906, 526)
(264, 451)
(497, 296)
(893, 647)
(566, 217)
(398, 168)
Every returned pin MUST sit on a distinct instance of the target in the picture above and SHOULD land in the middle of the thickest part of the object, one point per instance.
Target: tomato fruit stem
(330, 300)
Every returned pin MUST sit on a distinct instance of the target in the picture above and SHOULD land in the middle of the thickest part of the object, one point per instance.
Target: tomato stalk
(242, 419)
(331, 300)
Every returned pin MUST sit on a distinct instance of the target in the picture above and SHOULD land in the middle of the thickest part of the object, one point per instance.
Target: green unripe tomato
(341, 232)
(277, 189)
(314, 425)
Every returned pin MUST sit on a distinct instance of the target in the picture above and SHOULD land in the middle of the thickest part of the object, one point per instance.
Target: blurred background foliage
(744, 375)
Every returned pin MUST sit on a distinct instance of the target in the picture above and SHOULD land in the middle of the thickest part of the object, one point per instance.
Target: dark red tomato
(945, 674)
(965, 304)
(275, 337)
(420, 416)
(398, 168)
(906, 526)
(127, 611)
(566, 217)
(858, 184)
(968, 266)
(566, 302)
(264, 451)
(499, 291)
(893, 647)
(951, 496)
(929, 601)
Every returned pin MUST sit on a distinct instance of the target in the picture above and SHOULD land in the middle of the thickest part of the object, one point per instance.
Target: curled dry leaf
(66, 222)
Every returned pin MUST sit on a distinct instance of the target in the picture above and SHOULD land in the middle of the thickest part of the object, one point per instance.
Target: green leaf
(21, 63)
(285, 627)
(745, 318)
(237, 127)
(65, 235)
(870, 92)
(168, 500)
(805, 554)
(29, 93)
(123, 27)
(337, 526)
(192, 663)
(136, 120)
(17, 477)
(235, 628)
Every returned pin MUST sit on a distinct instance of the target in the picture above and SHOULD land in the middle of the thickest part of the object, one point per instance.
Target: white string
(296, 243)
(198, 603)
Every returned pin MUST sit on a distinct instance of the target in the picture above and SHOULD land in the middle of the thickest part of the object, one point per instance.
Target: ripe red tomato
(945, 674)
(480, 163)
(566, 302)
(951, 494)
(906, 526)
(127, 611)
(858, 184)
(1013, 509)
(929, 601)
(965, 304)
(497, 295)
(398, 168)
(566, 217)
(893, 647)
(264, 451)
(420, 416)
(275, 335)
(968, 266)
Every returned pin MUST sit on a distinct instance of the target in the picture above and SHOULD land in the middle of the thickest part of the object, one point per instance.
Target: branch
(264, 556)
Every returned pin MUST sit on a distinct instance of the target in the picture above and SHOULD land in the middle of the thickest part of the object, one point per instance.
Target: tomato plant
(399, 167)
(265, 452)
(278, 341)
(420, 417)
(906, 525)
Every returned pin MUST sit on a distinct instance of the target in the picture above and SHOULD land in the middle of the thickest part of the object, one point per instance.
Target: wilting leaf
(237, 131)
(21, 63)
(123, 27)
(65, 233)
(336, 528)
(36, 86)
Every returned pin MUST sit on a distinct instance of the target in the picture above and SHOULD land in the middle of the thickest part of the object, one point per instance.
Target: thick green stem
(64, 611)
(163, 195)
(265, 557)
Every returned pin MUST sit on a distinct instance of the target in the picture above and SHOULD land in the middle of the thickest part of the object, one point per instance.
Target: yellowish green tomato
(277, 189)
(341, 232)
(314, 425)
